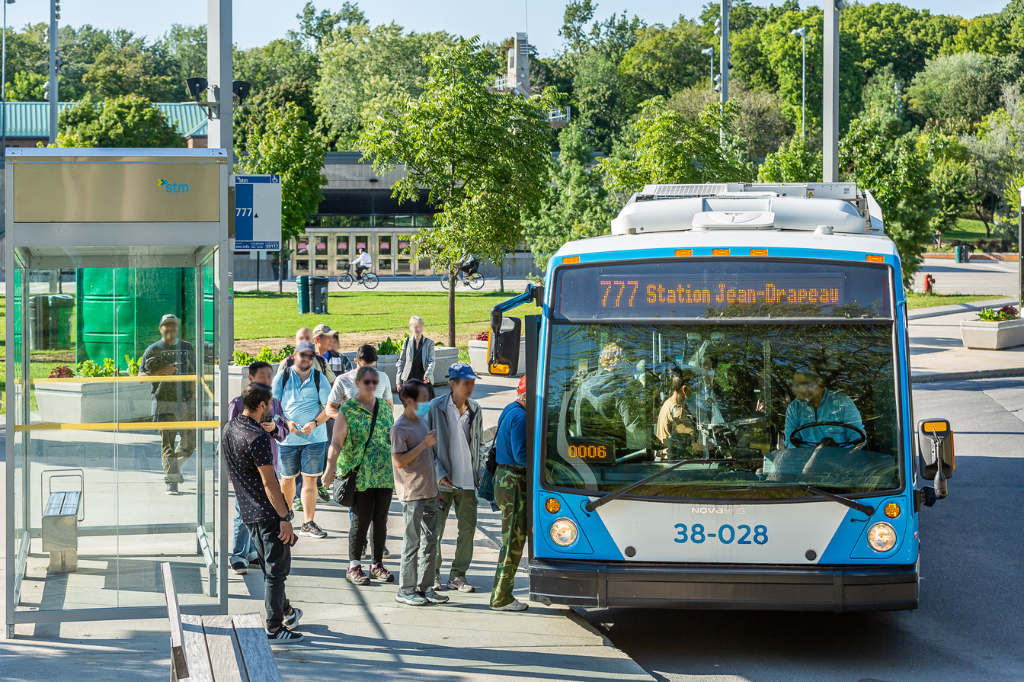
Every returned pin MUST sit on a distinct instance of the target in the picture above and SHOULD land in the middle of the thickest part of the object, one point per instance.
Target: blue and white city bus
(721, 408)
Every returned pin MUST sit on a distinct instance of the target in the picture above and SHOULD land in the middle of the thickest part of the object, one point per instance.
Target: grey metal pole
(1020, 262)
(220, 74)
(830, 118)
(3, 86)
(54, 97)
(803, 95)
(724, 52)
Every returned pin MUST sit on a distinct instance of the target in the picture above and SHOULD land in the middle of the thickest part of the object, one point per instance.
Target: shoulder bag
(343, 490)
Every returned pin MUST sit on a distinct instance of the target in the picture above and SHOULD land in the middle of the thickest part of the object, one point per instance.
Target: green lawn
(915, 300)
(268, 315)
(966, 231)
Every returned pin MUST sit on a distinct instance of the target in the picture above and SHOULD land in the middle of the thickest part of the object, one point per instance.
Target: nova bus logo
(172, 187)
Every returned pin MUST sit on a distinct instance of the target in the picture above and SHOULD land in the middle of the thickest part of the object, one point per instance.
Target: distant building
(28, 123)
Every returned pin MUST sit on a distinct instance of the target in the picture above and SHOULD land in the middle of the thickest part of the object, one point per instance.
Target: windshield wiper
(845, 501)
(594, 504)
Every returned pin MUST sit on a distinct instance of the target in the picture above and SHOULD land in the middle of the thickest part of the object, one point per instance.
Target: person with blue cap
(459, 456)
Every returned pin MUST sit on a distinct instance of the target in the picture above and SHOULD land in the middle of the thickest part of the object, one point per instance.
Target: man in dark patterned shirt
(250, 461)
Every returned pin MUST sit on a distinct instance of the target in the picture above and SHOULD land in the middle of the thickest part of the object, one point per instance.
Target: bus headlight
(563, 532)
(881, 537)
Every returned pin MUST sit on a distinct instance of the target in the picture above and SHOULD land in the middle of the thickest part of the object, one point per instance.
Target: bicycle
(368, 280)
(474, 281)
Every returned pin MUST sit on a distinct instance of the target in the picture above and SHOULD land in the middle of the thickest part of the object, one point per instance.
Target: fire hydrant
(929, 283)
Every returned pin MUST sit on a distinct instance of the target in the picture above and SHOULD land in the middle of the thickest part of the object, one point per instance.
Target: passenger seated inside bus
(814, 404)
(676, 428)
(607, 399)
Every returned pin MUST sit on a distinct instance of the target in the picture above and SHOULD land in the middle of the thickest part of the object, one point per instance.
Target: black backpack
(288, 375)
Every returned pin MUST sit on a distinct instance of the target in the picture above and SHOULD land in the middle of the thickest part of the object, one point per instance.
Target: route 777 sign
(257, 212)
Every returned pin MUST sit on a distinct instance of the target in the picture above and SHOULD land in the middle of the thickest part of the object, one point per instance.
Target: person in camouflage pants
(510, 495)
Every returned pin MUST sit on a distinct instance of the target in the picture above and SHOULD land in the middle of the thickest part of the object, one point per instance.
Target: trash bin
(302, 290)
(962, 254)
(318, 295)
(61, 308)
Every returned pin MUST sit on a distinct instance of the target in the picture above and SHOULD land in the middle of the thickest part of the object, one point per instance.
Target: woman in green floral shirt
(375, 480)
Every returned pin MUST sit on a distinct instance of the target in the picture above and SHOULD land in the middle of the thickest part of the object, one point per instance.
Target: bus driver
(815, 403)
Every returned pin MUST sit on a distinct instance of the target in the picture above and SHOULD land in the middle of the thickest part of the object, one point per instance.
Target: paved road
(429, 284)
(969, 278)
(969, 626)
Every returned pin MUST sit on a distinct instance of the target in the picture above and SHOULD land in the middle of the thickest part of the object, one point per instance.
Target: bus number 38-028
(741, 535)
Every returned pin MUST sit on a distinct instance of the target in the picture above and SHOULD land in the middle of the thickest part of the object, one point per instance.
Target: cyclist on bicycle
(362, 263)
(469, 265)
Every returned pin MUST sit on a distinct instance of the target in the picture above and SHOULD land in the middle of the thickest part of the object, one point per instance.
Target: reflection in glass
(763, 404)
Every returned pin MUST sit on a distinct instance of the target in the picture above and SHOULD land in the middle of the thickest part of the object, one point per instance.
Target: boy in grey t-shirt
(412, 454)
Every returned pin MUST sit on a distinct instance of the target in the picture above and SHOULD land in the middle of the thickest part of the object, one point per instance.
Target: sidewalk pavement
(513, 285)
(352, 633)
(975, 278)
(937, 352)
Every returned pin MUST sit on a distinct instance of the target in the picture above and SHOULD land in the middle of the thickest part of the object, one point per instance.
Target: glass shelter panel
(115, 445)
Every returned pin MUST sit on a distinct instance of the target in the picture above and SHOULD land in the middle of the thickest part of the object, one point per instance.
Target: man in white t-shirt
(362, 263)
(345, 388)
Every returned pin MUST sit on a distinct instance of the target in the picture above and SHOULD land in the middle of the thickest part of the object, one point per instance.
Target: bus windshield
(760, 405)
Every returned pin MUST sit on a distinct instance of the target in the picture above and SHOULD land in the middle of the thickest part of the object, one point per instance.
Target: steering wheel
(801, 443)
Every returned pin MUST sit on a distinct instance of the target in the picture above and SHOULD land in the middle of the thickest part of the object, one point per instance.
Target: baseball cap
(305, 347)
(522, 386)
(169, 318)
(323, 330)
(461, 370)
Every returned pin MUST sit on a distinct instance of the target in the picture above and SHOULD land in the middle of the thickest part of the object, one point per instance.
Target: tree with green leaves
(128, 66)
(282, 142)
(125, 121)
(481, 156)
(665, 147)
(956, 91)
(576, 204)
(664, 60)
(792, 163)
(879, 157)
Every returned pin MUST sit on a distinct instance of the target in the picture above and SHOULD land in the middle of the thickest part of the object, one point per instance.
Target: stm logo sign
(172, 187)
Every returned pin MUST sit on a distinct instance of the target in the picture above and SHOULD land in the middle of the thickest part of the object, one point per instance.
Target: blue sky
(260, 21)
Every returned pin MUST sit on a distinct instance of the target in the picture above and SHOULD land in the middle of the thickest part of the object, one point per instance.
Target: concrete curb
(938, 311)
(967, 376)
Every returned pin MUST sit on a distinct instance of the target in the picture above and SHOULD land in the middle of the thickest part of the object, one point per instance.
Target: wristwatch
(291, 515)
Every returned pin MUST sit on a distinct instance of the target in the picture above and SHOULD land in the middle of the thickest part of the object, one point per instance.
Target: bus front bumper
(724, 586)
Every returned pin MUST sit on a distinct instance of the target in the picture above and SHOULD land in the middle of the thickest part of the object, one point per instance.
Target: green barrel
(302, 290)
(120, 310)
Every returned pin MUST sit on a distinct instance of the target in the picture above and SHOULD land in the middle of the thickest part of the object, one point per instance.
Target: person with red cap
(510, 495)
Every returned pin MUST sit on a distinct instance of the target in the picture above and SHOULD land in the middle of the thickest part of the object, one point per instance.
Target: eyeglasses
(370, 382)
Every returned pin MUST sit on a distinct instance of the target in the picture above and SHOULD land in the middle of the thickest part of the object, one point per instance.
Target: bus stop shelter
(110, 449)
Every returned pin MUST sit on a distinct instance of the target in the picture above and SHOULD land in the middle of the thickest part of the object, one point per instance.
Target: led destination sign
(710, 288)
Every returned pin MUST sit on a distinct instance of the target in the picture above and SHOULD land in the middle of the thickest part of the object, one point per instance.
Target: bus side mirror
(503, 346)
(935, 448)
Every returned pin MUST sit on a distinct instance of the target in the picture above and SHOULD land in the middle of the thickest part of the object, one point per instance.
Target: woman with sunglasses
(362, 440)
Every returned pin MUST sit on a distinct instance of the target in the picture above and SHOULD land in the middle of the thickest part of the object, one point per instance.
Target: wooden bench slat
(256, 652)
(195, 649)
(178, 662)
(225, 659)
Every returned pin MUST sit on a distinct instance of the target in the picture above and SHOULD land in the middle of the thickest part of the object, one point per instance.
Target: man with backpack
(303, 391)
(510, 494)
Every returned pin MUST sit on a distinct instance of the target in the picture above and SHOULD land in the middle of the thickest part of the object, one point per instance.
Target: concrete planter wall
(385, 363)
(444, 358)
(478, 356)
(992, 335)
(82, 402)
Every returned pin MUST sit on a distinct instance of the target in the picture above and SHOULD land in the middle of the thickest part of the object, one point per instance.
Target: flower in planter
(483, 336)
(62, 372)
(1004, 314)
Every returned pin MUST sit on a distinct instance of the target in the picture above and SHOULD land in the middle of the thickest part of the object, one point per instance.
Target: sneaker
(323, 493)
(311, 530)
(292, 621)
(414, 599)
(356, 576)
(431, 595)
(514, 605)
(239, 567)
(437, 585)
(297, 504)
(283, 636)
(367, 554)
(172, 489)
(386, 553)
(459, 583)
(382, 574)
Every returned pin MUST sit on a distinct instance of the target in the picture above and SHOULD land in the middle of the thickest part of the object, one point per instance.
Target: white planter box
(992, 335)
(81, 402)
(385, 363)
(443, 359)
(478, 357)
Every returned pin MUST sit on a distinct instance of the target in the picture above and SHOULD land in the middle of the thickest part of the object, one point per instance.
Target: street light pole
(54, 97)
(3, 85)
(830, 118)
(802, 32)
(710, 52)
